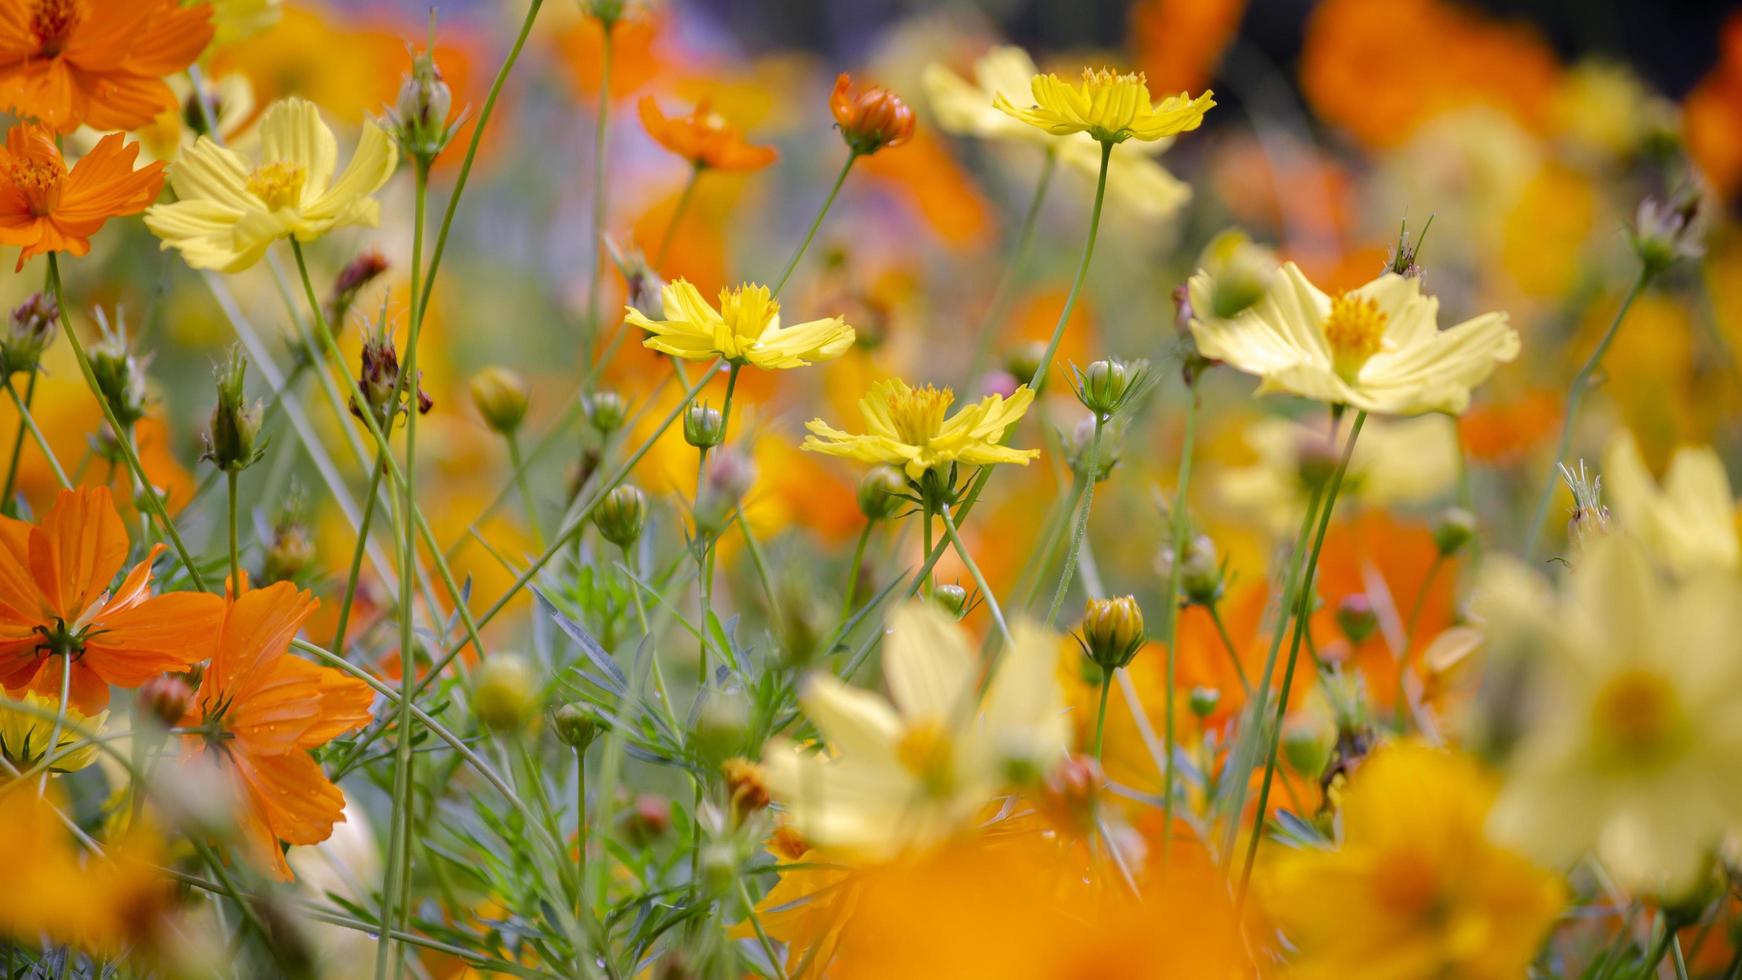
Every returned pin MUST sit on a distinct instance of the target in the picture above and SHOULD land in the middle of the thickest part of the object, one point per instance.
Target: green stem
(1090, 466)
(974, 571)
(852, 155)
(29, 421)
(1575, 396)
(356, 571)
(1058, 330)
(761, 933)
(988, 331)
(1215, 610)
(855, 569)
(122, 439)
(607, 29)
(235, 552)
(516, 460)
(581, 829)
(1101, 712)
(677, 213)
(18, 440)
(1302, 617)
(1175, 607)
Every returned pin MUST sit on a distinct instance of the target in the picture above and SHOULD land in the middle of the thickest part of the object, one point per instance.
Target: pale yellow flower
(907, 427)
(913, 770)
(1135, 183)
(1402, 462)
(1689, 522)
(744, 330)
(228, 211)
(1108, 106)
(1378, 348)
(1632, 738)
(238, 19)
(24, 735)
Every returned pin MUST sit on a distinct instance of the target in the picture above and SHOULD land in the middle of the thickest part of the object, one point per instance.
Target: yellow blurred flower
(1409, 461)
(1630, 748)
(744, 330)
(908, 429)
(227, 212)
(1108, 106)
(24, 734)
(914, 772)
(1135, 182)
(1378, 347)
(1689, 522)
(238, 19)
(1603, 107)
(1415, 889)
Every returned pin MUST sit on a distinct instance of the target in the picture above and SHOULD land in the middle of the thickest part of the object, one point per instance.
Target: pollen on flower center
(1355, 331)
(1636, 713)
(52, 21)
(747, 310)
(925, 751)
(39, 181)
(278, 185)
(918, 413)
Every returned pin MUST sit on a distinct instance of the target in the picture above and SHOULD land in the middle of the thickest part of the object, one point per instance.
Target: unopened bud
(1200, 576)
(30, 332)
(642, 285)
(1023, 361)
(1107, 452)
(1112, 631)
(621, 515)
(290, 552)
(504, 692)
(1453, 530)
(721, 726)
(746, 786)
(952, 597)
(1307, 741)
(1240, 272)
(648, 819)
(357, 273)
(1107, 385)
(1666, 232)
(235, 425)
(703, 426)
(1316, 459)
(1202, 701)
(120, 378)
(1355, 617)
(501, 397)
(998, 382)
(729, 476)
(882, 492)
(870, 119)
(166, 699)
(576, 725)
(420, 116)
(606, 411)
(1071, 794)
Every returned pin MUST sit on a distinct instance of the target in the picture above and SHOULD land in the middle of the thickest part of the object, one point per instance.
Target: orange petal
(257, 630)
(170, 632)
(76, 550)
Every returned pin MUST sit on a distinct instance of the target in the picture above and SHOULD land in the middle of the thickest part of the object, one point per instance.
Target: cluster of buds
(29, 334)
(419, 119)
(357, 273)
(1108, 385)
(379, 386)
(120, 378)
(1665, 232)
(729, 476)
(233, 437)
(501, 397)
(621, 515)
(1112, 631)
(703, 426)
(870, 119)
(606, 411)
(504, 693)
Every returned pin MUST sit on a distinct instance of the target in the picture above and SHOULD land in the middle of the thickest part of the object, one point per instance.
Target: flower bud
(621, 515)
(703, 426)
(729, 476)
(1106, 455)
(1200, 577)
(356, 274)
(642, 285)
(606, 12)
(420, 116)
(32, 330)
(504, 692)
(1240, 272)
(606, 412)
(870, 119)
(235, 425)
(1666, 232)
(1316, 459)
(291, 551)
(722, 725)
(120, 378)
(746, 786)
(953, 598)
(166, 699)
(1112, 631)
(1202, 701)
(1071, 794)
(501, 398)
(1307, 741)
(648, 819)
(1454, 529)
(998, 382)
(1355, 617)
(576, 726)
(1023, 361)
(378, 382)
(718, 862)
(882, 492)
(1107, 385)
(1403, 260)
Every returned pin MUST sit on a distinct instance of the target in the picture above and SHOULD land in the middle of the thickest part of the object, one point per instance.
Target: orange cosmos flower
(45, 207)
(59, 619)
(260, 711)
(870, 119)
(704, 138)
(98, 63)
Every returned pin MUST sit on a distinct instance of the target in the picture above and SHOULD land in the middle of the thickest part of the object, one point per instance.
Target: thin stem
(607, 29)
(852, 156)
(1680, 961)
(1301, 622)
(29, 421)
(761, 933)
(581, 828)
(516, 460)
(1415, 608)
(235, 553)
(1175, 608)
(122, 439)
(1575, 396)
(677, 213)
(18, 440)
(987, 332)
(974, 571)
(1215, 610)
(855, 569)
(1058, 330)
(356, 571)
(1101, 713)
(1090, 466)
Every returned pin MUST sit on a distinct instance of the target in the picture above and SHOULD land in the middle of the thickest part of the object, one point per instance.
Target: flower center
(1409, 883)
(1636, 714)
(38, 180)
(918, 413)
(747, 310)
(926, 751)
(278, 185)
(52, 21)
(1355, 330)
(1114, 101)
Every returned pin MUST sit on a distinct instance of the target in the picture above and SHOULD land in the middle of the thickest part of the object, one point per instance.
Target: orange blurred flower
(1712, 114)
(704, 138)
(1178, 43)
(262, 711)
(97, 63)
(45, 207)
(59, 620)
(870, 118)
(635, 60)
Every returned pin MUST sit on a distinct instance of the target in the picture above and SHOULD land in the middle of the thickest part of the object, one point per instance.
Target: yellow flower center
(926, 751)
(1355, 330)
(1409, 884)
(747, 310)
(52, 21)
(39, 182)
(1114, 101)
(1636, 714)
(918, 413)
(278, 185)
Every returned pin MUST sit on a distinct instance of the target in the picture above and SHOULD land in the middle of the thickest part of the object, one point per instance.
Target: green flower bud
(120, 378)
(1307, 742)
(621, 515)
(1453, 530)
(290, 552)
(1200, 578)
(1355, 617)
(504, 693)
(1203, 701)
(1112, 631)
(881, 492)
(576, 726)
(722, 726)
(419, 120)
(1240, 272)
(32, 330)
(235, 425)
(501, 398)
(606, 412)
(952, 597)
(1106, 386)
(703, 426)
(1023, 361)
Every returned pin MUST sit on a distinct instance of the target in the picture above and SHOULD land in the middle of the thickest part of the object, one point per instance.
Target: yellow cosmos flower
(1135, 182)
(1378, 348)
(1689, 522)
(909, 773)
(1632, 737)
(1108, 106)
(228, 212)
(744, 330)
(24, 735)
(908, 429)
(1415, 889)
